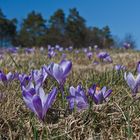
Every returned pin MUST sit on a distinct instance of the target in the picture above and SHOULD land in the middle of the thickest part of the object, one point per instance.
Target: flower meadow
(65, 93)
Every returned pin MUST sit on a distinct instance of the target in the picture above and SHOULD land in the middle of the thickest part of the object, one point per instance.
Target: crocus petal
(130, 80)
(82, 105)
(82, 101)
(3, 77)
(138, 67)
(44, 73)
(107, 93)
(49, 69)
(138, 80)
(58, 73)
(50, 99)
(71, 100)
(29, 87)
(10, 76)
(72, 91)
(99, 97)
(27, 97)
(42, 96)
(92, 90)
(38, 106)
(66, 66)
(103, 90)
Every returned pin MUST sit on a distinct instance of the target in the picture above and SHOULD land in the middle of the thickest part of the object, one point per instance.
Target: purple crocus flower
(119, 67)
(61, 49)
(70, 48)
(39, 76)
(95, 47)
(95, 62)
(64, 56)
(5, 78)
(77, 51)
(89, 55)
(99, 95)
(38, 102)
(85, 50)
(108, 59)
(13, 50)
(24, 79)
(29, 50)
(138, 67)
(51, 54)
(132, 82)
(104, 56)
(59, 71)
(126, 45)
(77, 98)
(57, 47)
(49, 47)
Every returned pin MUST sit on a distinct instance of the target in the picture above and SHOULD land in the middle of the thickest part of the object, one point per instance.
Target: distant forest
(35, 31)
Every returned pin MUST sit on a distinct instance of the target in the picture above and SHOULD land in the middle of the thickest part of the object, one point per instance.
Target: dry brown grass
(118, 119)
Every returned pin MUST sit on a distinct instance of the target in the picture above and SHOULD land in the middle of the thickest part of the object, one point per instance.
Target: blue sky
(122, 16)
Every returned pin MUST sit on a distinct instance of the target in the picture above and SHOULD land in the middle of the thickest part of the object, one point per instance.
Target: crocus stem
(62, 92)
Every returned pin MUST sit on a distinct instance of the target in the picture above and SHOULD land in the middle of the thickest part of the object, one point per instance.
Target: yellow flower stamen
(97, 89)
(5, 70)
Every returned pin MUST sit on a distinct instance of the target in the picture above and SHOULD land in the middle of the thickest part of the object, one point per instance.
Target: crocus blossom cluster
(77, 97)
(32, 86)
(33, 93)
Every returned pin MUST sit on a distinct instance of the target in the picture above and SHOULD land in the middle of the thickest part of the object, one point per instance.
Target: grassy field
(119, 118)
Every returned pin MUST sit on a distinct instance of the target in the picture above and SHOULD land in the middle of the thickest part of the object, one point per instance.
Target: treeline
(58, 29)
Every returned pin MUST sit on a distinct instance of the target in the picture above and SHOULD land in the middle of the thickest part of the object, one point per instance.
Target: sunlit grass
(117, 119)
